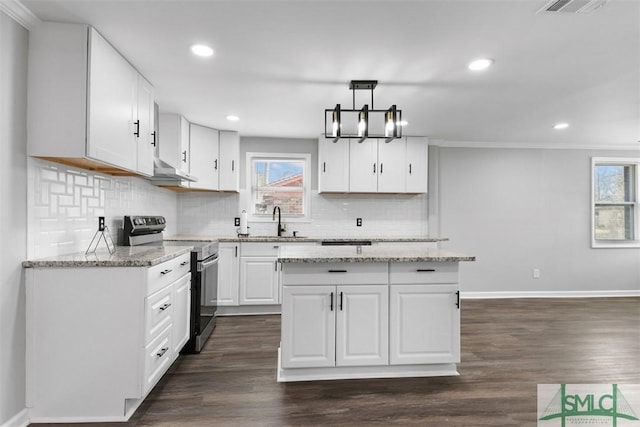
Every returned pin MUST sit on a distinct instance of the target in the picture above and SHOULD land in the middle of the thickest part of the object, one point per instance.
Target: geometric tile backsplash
(65, 203)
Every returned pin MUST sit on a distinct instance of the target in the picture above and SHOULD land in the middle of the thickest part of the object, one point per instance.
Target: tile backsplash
(333, 215)
(65, 203)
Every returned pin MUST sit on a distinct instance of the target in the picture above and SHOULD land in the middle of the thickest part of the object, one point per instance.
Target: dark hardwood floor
(508, 347)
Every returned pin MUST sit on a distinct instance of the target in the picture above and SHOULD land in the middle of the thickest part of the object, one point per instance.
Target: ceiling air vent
(572, 6)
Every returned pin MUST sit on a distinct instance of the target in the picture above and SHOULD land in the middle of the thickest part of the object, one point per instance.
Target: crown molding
(20, 13)
(531, 145)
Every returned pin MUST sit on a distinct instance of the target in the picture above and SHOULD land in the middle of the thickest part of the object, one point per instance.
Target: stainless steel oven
(206, 275)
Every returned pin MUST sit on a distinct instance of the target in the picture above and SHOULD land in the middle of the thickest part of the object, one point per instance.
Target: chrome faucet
(280, 229)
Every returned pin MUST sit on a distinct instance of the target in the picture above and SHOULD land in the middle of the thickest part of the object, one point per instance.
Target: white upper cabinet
(333, 165)
(173, 141)
(204, 144)
(373, 165)
(84, 106)
(417, 164)
(229, 161)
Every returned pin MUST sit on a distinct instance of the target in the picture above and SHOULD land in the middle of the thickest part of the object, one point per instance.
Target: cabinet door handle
(337, 271)
(167, 271)
(341, 293)
(374, 168)
(164, 306)
(184, 156)
(154, 138)
(409, 168)
(137, 132)
(381, 165)
(162, 352)
(233, 165)
(425, 270)
(276, 266)
(215, 164)
(331, 302)
(458, 299)
(236, 252)
(324, 166)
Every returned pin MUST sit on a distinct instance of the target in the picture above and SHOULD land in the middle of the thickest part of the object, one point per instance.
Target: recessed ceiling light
(201, 50)
(233, 118)
(560, 126)
(480, 64)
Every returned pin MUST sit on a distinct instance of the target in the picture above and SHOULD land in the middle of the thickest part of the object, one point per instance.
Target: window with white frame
(614, 193)
(279, 180)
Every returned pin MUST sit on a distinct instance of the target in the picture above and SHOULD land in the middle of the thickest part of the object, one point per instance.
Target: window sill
(611, 244)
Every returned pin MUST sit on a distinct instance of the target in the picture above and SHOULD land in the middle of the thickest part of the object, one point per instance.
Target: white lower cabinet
(100, 338)
(228, 274)
(259, 281)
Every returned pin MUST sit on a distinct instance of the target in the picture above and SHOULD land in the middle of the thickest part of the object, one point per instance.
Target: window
(615, 213)
(278, 180)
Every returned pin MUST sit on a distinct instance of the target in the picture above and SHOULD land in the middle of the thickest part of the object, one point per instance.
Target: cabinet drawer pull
(167, 271)
(276, 247)
(137, 132)
(165, 306)
(331, 301)
(425, 270)
(337, 271)
(183, 263)
(162, 351)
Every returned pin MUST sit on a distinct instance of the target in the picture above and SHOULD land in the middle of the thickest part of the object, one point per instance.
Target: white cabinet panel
(228, 274)
(363, 166)
(417, 164)
(308, 326)
(112, 97)
(333, 164)
(204, 144)
(258, 281)
(181, 312)
(229, 161)
(362, 326)
(424, 324)
(391, 165)
(145, 127)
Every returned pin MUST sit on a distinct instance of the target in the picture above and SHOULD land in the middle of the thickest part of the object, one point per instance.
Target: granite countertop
(381, 253)
(124, 256)
(329, 239)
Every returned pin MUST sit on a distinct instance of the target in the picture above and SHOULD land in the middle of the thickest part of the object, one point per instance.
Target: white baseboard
(549, 294)
(21, 419)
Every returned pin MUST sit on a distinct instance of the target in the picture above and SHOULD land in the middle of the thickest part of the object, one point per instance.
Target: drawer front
(158, 356)
(159, 307)
(266, 249)
(167, 272)
(423, 272)
(343, 273)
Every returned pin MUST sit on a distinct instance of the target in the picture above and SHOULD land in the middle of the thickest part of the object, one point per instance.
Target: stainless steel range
(147, 230)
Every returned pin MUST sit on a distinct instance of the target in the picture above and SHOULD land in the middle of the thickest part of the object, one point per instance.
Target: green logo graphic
(588, 406)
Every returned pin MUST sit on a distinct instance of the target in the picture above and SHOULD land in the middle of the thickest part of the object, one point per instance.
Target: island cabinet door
(362, 327)
(424, 324)
(308, 326)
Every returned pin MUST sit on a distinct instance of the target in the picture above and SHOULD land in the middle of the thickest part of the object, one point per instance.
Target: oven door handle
(206, 264)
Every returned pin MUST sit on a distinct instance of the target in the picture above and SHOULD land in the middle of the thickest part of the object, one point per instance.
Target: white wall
(332, 215)
(519, 209)
(13, 213)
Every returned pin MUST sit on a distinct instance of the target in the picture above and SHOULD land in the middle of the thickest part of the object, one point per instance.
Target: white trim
(531, 145)
(20, 13)
(21, 419)
(550, 294)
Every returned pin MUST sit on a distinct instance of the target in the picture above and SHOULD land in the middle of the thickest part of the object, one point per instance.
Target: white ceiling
(279, 64)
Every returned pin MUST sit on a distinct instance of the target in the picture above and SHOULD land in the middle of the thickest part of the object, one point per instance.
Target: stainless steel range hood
(163, 172)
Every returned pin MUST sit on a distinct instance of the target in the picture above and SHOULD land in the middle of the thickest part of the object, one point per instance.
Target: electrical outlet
(236, 221)
(358, 222)
(536, 273)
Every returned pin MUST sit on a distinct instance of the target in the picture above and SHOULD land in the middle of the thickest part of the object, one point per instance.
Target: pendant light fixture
(360, 122)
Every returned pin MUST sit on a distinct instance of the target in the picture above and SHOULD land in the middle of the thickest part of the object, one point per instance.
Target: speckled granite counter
(124, 256)
(378, 253)
(304, 239)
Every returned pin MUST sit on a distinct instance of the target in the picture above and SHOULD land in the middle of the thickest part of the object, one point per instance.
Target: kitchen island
(369, 312)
